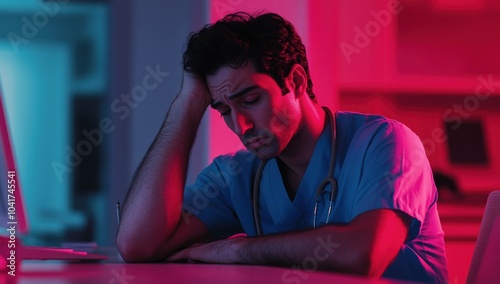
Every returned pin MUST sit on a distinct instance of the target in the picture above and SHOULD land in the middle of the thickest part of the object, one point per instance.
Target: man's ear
(297, 80)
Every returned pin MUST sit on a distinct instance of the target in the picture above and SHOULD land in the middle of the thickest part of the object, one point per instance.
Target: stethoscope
(321, 187)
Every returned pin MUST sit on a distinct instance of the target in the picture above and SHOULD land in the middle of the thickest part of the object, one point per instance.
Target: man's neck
(296, 156)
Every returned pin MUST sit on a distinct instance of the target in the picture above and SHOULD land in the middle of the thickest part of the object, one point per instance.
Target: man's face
(254, 108)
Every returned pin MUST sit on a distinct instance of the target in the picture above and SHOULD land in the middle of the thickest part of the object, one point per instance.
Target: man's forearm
(366, 246)
(153, 206)
(327, 248)
(322, 249)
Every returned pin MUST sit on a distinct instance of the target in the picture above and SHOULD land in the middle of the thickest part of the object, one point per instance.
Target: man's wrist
(193, 100)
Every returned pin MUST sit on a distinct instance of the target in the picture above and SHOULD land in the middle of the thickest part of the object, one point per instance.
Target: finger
(180, 255)
(240, 235)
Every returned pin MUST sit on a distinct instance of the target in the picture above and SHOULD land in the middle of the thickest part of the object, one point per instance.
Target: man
(382, 219)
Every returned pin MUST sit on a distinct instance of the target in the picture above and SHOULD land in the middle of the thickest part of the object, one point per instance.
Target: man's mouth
(254, 143)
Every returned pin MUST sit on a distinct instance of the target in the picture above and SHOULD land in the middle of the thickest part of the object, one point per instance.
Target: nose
(241, 123)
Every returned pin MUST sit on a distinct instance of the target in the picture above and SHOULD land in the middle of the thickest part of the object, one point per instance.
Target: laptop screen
(12, 214)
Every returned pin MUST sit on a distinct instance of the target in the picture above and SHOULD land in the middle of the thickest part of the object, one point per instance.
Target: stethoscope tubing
(328, 180)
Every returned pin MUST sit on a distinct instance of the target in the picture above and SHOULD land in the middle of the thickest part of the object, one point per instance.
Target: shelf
(431, 85)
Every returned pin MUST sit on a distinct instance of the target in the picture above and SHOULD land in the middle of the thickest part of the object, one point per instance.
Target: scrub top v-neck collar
(299, 212)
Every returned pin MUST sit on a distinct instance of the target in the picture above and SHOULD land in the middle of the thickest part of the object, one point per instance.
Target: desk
(125, 273)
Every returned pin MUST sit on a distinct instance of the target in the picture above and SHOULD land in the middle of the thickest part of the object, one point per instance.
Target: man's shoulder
(358, 118)
(238, 166)
(355, 121)
(366, 129)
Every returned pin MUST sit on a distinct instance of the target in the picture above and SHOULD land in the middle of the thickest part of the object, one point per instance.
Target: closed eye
(224, 111)
(250, 101)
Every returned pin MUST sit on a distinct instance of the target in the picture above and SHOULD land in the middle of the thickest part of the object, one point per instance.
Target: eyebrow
(243, 92)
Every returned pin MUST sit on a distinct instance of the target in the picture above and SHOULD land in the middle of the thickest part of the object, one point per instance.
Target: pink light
(458, 4)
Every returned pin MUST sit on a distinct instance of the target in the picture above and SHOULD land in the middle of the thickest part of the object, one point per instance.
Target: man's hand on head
(195, 87)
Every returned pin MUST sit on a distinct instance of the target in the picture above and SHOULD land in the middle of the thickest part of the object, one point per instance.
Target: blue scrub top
(379, 163)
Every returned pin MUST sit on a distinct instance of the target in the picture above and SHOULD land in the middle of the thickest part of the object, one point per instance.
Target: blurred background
(87, 83)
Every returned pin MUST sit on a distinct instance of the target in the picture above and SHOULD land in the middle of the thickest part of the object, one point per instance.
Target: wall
(146, 36)
(424, 63)
(422, 66)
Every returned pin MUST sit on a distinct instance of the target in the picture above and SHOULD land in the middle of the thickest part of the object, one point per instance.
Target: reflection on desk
(124, 273)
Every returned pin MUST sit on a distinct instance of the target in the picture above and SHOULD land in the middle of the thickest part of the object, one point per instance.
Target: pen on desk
(118, 212)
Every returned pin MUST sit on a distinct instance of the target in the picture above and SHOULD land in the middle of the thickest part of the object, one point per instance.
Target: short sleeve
(396, 173)
(209, 199)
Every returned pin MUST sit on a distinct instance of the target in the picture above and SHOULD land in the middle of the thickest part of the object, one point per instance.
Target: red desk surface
(123, 273)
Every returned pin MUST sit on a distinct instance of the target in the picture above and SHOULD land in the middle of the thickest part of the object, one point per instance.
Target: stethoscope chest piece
(333, 196)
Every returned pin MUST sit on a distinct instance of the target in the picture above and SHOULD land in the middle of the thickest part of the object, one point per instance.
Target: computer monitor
(12, 213)
(467, 143)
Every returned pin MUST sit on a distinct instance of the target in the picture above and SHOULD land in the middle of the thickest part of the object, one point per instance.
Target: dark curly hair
(268, 41)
